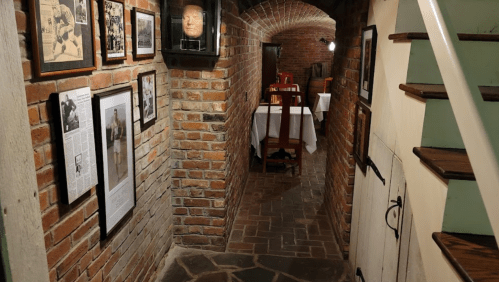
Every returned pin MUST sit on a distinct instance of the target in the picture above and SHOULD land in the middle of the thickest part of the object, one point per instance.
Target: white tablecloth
(260, 126)
(321, 104)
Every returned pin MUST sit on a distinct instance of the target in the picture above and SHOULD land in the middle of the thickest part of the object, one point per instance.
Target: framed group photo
(191, 28)
(114, 143)
(143, 34)
(367, 60)
(147, 99)
(63, 36)
(361, 134)
(113, 34)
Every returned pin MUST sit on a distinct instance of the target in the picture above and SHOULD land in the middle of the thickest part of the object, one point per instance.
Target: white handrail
(467, 105)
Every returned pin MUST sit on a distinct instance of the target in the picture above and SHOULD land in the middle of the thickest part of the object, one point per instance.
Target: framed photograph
(75, 140)
(113, 34)
(361, 135)
(191, 29)
(367, 60)
(147, 99)
(143, 34)
(116, 166)
(62, 34)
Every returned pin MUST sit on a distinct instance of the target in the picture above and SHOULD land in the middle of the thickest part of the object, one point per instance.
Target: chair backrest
(285, 78)
(286, 97)
(282, 87)
(325, 83)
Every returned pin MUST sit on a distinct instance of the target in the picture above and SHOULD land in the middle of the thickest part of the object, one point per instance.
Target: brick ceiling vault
(275, 16)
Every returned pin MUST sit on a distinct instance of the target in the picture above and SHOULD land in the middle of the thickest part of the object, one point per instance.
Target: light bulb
(331, 46)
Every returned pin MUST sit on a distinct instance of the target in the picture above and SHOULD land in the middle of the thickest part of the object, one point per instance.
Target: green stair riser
(440, 127)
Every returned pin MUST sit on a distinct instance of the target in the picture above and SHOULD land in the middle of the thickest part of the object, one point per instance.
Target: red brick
(110, 263)
(196, 174)
(85, 262)
(180, 211)
(27, 70)
(193, 74)
(48, 240)
(195, 183)
(193, 117)
(45, 176)
(196, 203)
(21, 21)
(49, 150)
(91, 207)
(83, 229)
(195, 164)
(214, 174)
(68, 225)
(214, 96)
(100, 80)
(194, 126)
(59, 251)
(98, 263)
(39, 91)
(216, 156)
(217, 184)
(72, 258)
(122, 77)
(196, 221)
(209, 137)
(195, 240)
(193, 96)
(40, 134)
(193, 135)
(194, 145)
(44, 199)
(177, 73)
(39, 159)
(193, 155)
(45, 111)
(33, 115)
(213, 231)
(72, 83)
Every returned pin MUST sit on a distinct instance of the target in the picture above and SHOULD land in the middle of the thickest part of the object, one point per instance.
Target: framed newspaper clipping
(147, 99)
(144, 26)
(113, 35)
(63, 35)
(115, 152)
(74, 129)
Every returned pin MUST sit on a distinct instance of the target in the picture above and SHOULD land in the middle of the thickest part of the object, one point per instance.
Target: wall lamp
(330, 44)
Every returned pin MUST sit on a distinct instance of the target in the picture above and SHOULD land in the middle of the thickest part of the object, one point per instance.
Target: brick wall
(300, 48)
(340, 167)
(72, 233)
(211, 134)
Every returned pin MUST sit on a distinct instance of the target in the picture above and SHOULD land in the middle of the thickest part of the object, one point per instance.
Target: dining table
(259, 127)
(321, 105)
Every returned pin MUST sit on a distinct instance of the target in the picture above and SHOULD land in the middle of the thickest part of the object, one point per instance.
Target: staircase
(452, 146)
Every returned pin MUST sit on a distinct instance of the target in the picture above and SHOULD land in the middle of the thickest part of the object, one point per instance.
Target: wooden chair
(283, 141)
(278, 87)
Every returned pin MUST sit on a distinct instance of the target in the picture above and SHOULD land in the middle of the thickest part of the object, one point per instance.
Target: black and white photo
(114, 143)
(62, 36)
(143, 33)
(70, 119)
(367, 60)
(147, 99)
(113, 30)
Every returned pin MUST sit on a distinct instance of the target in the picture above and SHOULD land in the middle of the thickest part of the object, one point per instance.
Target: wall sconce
(330, 44)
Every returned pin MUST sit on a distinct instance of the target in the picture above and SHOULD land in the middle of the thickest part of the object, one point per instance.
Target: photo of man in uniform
(117, 168)
(70, 119)
(66, 45)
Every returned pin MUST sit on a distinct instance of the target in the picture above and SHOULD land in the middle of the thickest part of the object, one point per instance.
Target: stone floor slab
(255, 274)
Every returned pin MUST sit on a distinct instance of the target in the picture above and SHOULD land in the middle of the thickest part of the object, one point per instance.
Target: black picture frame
(144, 33)
(113, 30)
(361, 135)
(58, 48)
(367, 62)
(114, 141)
(176, 40)
(147, 99)
(75, 143)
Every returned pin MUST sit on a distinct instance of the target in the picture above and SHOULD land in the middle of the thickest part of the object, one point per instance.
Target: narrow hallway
(281, 232)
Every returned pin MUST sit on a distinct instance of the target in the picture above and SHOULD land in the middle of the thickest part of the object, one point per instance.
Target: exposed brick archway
(275, 16)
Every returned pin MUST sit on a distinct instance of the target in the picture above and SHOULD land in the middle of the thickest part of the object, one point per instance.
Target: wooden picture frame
(113, 111)
(75, 143)
(147, 99)
(191, 29)
(367, 61)
(144, 33)
(59, 48)
(113, 30)
(361, 135)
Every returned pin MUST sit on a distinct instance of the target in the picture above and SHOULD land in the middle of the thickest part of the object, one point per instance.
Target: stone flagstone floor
(281, 233)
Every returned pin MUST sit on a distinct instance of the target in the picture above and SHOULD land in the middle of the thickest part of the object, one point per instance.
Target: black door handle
(398, 204)
(370, 163)
(358, 272)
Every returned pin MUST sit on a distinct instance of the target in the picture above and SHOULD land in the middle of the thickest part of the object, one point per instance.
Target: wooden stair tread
(474, 257)
(404, 37)
(448, 163)
(437, 91)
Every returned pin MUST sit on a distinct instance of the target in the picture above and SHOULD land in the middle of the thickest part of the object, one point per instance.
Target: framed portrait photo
(75, 142)
(361, 135)
(113, 34)
(115, 152)
(147, 99)
(367, 60)
(63, 35)
(191, 28)
(143, 34)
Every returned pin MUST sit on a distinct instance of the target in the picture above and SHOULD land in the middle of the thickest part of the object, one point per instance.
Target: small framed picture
(361, 135)
(367, 60)
(63, 35)
(147, 99)
(114, 146)
(113, 34)
(143, 34)
(191, 28)
(75, 142)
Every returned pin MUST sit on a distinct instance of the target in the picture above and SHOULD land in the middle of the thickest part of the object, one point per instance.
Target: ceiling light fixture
(330, 44)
